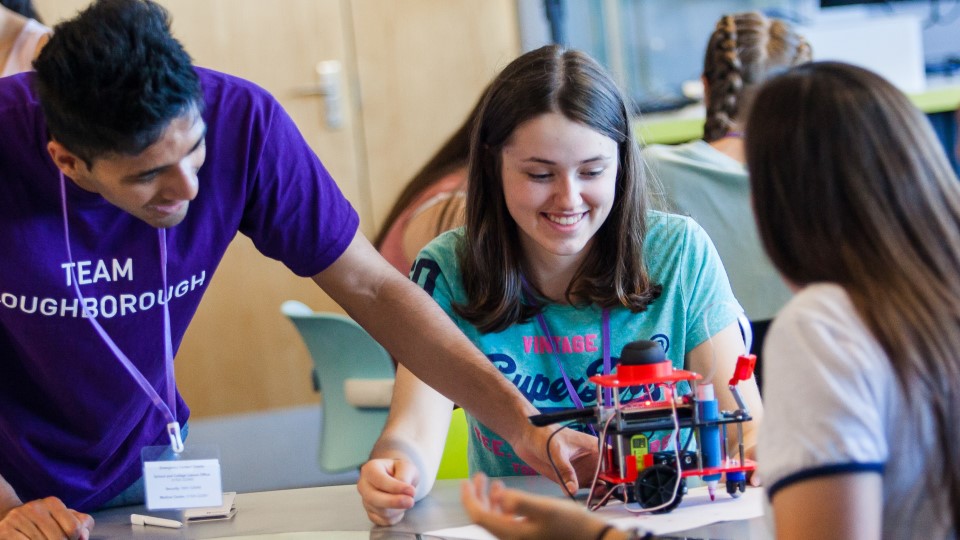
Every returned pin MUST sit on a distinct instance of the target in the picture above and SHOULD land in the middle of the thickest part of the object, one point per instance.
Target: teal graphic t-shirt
(679, 256)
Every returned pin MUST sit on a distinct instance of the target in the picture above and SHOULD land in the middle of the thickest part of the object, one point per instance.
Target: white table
(338, 508)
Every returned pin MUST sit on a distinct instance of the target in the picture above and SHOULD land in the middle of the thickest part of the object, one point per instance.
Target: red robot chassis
(656, 480)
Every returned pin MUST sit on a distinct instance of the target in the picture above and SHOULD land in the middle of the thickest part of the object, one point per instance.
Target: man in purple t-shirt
(125, 173)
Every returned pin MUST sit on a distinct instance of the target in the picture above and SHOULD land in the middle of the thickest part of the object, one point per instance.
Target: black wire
(556, 471)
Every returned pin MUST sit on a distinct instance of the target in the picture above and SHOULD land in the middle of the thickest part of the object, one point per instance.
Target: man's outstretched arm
(420, 335)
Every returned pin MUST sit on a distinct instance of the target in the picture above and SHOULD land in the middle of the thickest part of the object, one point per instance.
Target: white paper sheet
(322, 535)
(467, 532)
(696, 510)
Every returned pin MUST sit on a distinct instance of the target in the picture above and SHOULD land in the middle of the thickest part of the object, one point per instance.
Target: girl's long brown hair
(851, 186)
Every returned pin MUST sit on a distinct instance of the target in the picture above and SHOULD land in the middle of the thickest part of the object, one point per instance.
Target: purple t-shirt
(72, 420)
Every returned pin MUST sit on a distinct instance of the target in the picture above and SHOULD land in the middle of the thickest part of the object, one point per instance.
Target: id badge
(190, 479)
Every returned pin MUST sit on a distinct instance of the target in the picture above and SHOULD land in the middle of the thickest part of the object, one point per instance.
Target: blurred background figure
(707, 180)
(21, 36)
(431, 203)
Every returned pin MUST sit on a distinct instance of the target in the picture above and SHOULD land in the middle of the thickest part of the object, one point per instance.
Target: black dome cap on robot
(641, 353)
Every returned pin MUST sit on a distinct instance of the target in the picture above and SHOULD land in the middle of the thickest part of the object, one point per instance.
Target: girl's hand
(515, 515)
(387, 487)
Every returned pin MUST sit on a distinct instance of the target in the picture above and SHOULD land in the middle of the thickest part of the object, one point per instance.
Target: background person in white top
(861, 212)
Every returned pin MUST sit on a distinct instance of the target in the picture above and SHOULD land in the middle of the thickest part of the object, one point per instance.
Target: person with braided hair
(707, 179)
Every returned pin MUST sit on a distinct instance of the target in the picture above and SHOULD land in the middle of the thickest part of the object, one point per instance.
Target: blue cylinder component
(709, 435)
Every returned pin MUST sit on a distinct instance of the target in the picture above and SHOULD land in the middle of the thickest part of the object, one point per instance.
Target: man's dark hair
(113, 78)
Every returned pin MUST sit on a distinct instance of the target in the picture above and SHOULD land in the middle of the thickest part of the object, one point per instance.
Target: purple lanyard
(605, 326)
(168, 409)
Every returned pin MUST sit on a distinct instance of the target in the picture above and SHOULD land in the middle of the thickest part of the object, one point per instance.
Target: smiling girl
(560, 264)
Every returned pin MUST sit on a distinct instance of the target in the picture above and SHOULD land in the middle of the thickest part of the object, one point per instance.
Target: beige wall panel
(422, 65)
(53, 11)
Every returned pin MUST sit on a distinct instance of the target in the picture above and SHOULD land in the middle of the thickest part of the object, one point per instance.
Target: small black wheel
(654, 487)
(736, 487)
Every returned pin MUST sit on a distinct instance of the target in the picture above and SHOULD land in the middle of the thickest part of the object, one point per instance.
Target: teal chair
(354, 374)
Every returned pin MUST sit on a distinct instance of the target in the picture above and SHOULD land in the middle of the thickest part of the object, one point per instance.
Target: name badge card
(190, 479)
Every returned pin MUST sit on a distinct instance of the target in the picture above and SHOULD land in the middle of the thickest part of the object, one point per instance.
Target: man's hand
(574, 454)
(45, 519)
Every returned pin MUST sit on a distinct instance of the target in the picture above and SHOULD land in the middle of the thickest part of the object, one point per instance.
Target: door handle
(329, 74)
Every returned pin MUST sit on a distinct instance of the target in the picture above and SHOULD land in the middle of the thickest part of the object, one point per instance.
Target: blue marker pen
(709, 410)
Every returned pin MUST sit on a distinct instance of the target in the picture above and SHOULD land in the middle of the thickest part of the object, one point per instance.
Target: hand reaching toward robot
(574, 454)
(514, 515)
